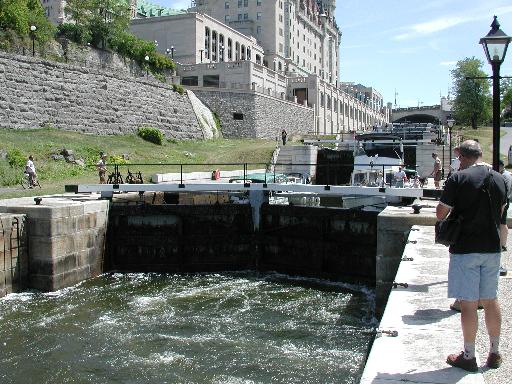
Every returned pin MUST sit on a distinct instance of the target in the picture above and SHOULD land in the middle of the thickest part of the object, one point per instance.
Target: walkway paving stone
(427, 329)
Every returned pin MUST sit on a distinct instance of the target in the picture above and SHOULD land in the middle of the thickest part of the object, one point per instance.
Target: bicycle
(134, 178)
(26, 184)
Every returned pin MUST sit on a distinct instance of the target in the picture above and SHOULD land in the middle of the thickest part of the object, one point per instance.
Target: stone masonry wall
(36, 93)
(65, 239)
(263, 116)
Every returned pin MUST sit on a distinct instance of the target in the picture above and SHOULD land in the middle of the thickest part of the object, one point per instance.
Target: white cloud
(430, 27)
(450, 21)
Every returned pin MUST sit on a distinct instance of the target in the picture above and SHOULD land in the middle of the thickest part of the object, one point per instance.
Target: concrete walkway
(427, 329)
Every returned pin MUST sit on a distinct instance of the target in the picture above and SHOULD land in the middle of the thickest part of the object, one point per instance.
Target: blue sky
(411, 46)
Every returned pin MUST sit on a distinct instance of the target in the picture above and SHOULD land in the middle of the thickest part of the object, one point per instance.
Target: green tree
(79, 11)
(506, 98)
(472, 103)
(108, 19)
(104, 19)
(19, 15)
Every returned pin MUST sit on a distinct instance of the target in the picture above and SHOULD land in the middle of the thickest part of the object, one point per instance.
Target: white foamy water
(211, 328)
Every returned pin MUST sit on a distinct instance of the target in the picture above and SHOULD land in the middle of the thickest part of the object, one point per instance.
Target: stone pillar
(66, 239)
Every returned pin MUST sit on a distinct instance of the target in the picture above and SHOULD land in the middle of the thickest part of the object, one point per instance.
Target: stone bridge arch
(425, 114)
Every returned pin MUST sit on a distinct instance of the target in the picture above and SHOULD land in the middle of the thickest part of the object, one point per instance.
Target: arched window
(243, 52)
(230, 50)
(221, 47)
(237, 51)
(249, 53)
(207, 42)
(214, 46)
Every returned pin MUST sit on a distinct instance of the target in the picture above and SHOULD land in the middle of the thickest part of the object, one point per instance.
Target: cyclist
(30, 169)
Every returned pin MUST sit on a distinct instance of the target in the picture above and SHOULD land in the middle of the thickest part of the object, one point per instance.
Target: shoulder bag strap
(487, 185)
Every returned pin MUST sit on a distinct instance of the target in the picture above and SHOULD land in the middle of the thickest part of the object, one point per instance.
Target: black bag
(448, 230)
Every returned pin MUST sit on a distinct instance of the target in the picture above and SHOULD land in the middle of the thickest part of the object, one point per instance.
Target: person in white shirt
(399, 177)
(455, 164)
(30, 169)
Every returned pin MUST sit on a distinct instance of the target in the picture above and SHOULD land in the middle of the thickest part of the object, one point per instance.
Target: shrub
(151, 134)
(74, 32)
(217, 121)
(15, 158)
(178, 88)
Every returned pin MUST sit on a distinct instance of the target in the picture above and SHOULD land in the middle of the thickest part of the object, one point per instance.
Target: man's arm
(442, 211)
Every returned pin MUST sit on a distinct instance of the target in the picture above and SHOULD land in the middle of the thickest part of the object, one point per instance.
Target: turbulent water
(210, 328)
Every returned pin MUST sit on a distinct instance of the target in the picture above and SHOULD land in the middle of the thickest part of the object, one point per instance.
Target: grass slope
(17, 145)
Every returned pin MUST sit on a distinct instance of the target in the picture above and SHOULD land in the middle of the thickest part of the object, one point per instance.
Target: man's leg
(469, 320)
(492, 317)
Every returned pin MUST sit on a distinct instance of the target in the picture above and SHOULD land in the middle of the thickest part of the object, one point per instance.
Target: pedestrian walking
(476, 194)
(436, 173)
(102, 168)
(284, 135)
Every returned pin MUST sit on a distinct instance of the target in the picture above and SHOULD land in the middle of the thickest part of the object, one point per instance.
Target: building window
(258, 30)
(243, 52)
(328, 102)
(280, 48)
(211, 81)
(214, 46)
(258, 59)
(258, 3)
(280, 31)
(221, 47)
(226, 5)
(238, 116)
(190, 80)
(246, 3)
(249, 53)
(246, 16)
(258, 15)
(240, 17)
(321, 99)
(230, 50)
(239, 3)
(237, 51)
(207, 42)
(335, 105)
(281, 18)
(226, 19)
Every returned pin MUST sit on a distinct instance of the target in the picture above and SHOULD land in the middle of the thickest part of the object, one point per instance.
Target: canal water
(203, 328)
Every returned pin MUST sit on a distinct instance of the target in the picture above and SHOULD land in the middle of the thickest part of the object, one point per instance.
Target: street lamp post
(33, 29)
(450, 122)
(495, 45)
(147, 66)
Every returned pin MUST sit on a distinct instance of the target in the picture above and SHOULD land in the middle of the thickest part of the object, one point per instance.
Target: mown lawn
(484, 136)
(17, 145)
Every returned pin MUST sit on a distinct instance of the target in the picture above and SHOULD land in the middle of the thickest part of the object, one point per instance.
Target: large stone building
(290, 51)
(286, 50)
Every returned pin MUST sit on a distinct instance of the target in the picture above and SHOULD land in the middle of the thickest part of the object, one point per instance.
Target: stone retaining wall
(261, 116)
(37, 93)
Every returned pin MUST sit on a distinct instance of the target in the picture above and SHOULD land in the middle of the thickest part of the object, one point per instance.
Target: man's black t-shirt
(463, 192)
